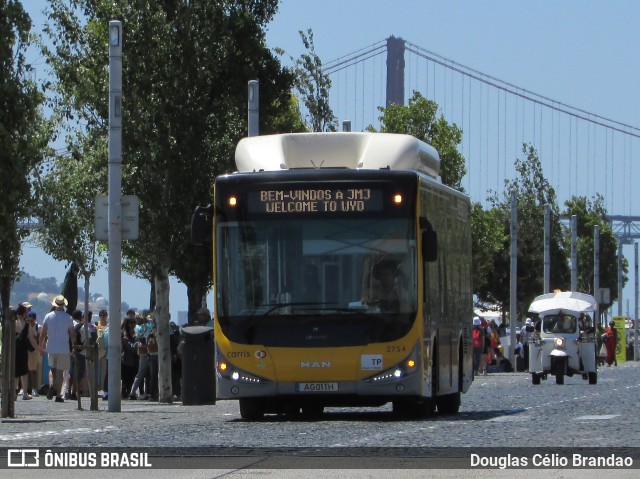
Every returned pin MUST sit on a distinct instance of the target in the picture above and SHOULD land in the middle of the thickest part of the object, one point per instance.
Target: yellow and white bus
(342, 272)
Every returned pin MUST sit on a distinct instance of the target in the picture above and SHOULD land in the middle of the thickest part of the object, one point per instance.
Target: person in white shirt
(57, 332)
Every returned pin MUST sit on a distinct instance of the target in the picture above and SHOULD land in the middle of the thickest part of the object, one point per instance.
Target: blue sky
(583, 53)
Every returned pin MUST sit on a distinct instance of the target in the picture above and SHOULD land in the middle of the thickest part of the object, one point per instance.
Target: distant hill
(40, 291)
(28, 284)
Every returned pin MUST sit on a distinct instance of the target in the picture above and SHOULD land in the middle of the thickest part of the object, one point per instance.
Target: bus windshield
(316, 282)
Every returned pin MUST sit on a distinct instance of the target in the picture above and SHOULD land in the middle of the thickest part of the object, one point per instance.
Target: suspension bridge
(582, 153)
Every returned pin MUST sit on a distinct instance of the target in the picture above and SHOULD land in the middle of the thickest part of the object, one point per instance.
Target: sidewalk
(45, 423)
(41, 409)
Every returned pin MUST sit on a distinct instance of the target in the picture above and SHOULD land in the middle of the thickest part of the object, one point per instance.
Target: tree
(185, 71)
(488, 238)
(533, 191)
(313, 87)
(23, 140)
(589, 214)
(420, 119)
(66, 208)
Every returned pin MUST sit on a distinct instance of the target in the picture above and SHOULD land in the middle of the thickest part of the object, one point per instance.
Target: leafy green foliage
(313, 86)
(533, 192)
(488, 238)
(589, 214)
(66, 206)
(420, 119)
(23, 139)
(185, 71)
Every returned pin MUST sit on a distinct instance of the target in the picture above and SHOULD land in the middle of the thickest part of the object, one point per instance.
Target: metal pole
(115, 220)
(620, 276)
(254, 108)
(514, 275)
(574, 253)
(547, 249)
(596, 272)
(636, 357)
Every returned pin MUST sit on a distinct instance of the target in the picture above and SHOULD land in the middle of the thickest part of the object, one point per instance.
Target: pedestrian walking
(610, 338)
(21, 352)
(57, 332)
(34, 354)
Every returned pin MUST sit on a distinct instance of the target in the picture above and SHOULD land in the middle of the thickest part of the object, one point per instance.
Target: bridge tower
(395, 71)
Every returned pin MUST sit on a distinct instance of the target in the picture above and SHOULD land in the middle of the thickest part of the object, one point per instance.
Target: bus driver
(386, 292)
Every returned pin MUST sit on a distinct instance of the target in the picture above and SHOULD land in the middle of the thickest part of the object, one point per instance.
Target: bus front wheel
(251, 409)
(448, 403)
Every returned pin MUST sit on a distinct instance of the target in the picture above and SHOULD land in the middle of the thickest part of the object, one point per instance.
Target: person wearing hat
(610, 338)
(57, 332)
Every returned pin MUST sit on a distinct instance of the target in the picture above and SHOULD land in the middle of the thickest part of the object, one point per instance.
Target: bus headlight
(231, 372)
(559, 343)
(401, 370)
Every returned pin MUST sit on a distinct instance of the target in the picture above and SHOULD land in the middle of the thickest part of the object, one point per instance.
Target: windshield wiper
(275, 307)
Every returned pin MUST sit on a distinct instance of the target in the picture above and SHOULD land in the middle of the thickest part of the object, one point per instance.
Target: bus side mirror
(429, 245)
(201, 225)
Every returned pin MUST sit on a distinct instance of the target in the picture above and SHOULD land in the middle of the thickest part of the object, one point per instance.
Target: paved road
(500, 410)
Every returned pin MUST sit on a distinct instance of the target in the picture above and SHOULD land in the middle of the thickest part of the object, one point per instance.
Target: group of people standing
(58, 337)
(63, 337)
(139, 356)
(486, 344)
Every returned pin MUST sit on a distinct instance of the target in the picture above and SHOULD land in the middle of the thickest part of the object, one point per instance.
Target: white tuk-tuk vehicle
(564, 343)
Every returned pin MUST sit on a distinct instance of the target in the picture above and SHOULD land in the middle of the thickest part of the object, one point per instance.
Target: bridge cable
(546, 101)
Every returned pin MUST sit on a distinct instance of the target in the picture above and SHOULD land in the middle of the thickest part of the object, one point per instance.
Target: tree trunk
(5, 295)
(195, 293)
(8, 389)
(152, 295)
(165, 393)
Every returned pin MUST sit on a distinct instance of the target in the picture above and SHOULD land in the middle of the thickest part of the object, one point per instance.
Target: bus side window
(429, 242)
(429, 246)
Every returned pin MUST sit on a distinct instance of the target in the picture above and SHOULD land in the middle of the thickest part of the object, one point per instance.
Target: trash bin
(198, 370)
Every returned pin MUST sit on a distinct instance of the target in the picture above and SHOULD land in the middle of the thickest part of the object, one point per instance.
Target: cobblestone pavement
(499, 410)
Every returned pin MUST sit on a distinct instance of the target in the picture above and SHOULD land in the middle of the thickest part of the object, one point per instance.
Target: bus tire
(251, 409)
(593, 378)
(448, 403)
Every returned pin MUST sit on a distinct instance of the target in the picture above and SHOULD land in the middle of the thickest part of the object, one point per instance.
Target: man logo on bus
(315, 364)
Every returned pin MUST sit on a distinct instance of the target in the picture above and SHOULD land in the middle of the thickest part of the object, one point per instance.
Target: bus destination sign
(326, 200)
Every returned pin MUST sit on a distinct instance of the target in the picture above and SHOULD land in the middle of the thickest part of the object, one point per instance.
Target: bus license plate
(317, 387)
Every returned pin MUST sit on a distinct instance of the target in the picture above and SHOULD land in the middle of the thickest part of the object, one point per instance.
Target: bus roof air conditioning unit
(370, 151)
